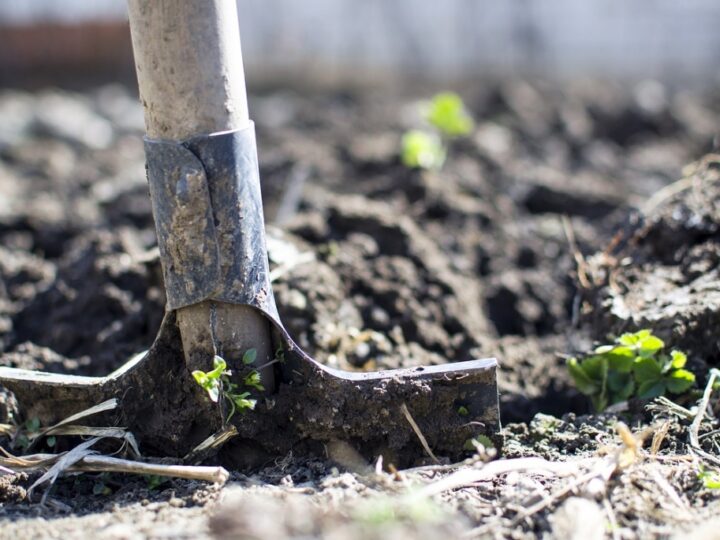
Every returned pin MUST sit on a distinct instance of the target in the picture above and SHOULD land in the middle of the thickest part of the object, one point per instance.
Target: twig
(665, 193)
(699, 416)
(417, 431)
(217, 475)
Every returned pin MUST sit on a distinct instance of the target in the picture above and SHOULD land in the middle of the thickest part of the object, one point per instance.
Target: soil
(377, 266)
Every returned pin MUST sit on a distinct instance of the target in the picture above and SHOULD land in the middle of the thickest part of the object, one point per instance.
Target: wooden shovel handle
(190, 74)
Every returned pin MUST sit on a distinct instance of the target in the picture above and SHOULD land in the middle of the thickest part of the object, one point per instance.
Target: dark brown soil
(378, 266)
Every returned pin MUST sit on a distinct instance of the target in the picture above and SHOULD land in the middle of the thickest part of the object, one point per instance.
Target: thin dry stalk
(694, 430)
(580, 261)
(218, 475)
(659, 437)
(417, 431)
(216, 440)
(108, 405)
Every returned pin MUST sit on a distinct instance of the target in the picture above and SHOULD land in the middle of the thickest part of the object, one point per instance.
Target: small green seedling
(100, 486)
(448, 119)
(253, 381)
(154, 481)
(471, 445)
(217, 384)
(447, 113)
(710, 479)
(421, 150)
(634, 366)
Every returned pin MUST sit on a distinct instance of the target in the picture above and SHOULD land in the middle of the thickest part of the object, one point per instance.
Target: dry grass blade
(108, 405)
(659, 437)
(96, 463)
(216, 440)
(103, 432)
(64, 462)
(417, 431)
(469, 477)
(5, 470)
(7, 429)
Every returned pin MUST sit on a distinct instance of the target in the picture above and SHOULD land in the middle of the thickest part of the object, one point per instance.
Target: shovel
(204, 185)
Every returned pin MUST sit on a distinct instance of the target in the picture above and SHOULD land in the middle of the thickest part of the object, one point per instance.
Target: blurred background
(332, 41)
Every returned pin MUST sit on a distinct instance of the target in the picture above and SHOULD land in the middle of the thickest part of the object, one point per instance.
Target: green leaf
(32, 424)
(621, 386)
(253, 380)
(620, 358)
(710, 479)
(447, 113)
(626, 391)
(642, 341)
(599, 402)
(479, 439)
(201, 378)
(154, 481)
(243, 403)
(582, 380)
(596, 368)
(632, 339)
(210, 385)
(249, 356)
(679, 359)
(679, 381)
(99, 488)
(51, 441)
(214, 392)
(646, 369)
(649, 345)
(651, 389)
(463, 410)
(219, 369)
(422, 150)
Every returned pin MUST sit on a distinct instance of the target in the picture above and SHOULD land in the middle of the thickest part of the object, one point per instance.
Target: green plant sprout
(427, 149)
(710, 479)
(634, 366)
(447, 113)
(483, 440)
(421, 150)
(154, 481)
(217, 384)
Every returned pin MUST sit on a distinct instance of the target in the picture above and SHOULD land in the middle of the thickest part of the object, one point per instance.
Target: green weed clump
(447, 118)
(634, 366)
(217, 384)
